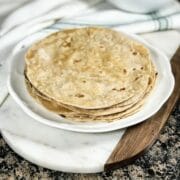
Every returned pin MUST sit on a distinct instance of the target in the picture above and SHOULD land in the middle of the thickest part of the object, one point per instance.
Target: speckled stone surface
(162, 161)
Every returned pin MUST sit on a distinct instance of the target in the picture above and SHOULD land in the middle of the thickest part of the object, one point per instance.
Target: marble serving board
(63, 150)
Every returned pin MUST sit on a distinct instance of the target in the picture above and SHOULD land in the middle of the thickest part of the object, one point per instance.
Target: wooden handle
(139, 138)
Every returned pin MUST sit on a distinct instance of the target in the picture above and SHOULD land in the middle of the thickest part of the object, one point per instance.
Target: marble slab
(54, 148)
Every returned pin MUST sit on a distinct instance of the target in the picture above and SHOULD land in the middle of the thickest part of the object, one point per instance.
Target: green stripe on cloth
(163, 24)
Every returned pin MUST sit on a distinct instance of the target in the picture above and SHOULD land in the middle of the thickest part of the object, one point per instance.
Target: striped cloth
(41, 15)
(108, 16)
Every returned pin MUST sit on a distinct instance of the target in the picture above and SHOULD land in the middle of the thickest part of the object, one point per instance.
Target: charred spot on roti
(79, 95)
(134, 53)
(77, 60)
(136, 78)
(124, 71)
(62, 115)
(149, 81)
(120, 89)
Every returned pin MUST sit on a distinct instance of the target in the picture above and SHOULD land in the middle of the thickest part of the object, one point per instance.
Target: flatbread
(71, 115)
(76, 116)
(90, 68)
(57, 107)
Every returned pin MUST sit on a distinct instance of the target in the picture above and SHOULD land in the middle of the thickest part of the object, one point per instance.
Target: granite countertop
(161, 161)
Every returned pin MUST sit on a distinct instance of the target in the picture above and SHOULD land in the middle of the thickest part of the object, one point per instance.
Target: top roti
(89, 68)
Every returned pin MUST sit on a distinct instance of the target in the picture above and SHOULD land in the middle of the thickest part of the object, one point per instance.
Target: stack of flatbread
(89, 74)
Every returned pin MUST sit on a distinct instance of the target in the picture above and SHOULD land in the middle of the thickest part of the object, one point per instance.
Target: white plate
(16, 85)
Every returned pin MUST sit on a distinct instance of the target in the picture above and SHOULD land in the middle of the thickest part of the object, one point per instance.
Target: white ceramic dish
(16, 85)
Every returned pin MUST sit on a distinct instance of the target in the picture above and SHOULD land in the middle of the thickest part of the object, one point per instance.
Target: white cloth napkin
(36, 15)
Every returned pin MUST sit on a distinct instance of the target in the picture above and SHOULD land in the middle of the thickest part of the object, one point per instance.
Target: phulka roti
(77, 116)
(82, 117)
(89, 68)
(54, 106)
